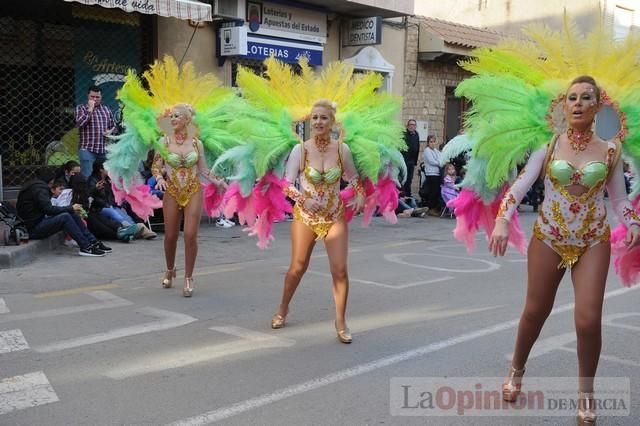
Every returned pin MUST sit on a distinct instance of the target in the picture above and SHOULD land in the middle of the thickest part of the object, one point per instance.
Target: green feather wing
(507, 120)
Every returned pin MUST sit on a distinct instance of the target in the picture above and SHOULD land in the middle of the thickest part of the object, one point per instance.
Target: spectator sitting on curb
(104, 201)
(407, 207)
(44, 219)
(101, 226)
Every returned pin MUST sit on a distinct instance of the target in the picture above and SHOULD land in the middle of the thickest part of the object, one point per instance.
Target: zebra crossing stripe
(12, 341)
(26, 391)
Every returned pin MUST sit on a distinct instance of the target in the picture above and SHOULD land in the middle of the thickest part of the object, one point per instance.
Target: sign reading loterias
(362, 32)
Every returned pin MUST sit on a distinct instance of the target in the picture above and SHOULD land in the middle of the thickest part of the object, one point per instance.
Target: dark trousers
(71, 223)
(102, 227)
(406, 188)
(433, 191)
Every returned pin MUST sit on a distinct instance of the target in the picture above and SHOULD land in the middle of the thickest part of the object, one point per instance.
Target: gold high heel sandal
(511, 389)
(169, 275)
(344, 335)
(586, 409)
(187, 290)
(277, 321)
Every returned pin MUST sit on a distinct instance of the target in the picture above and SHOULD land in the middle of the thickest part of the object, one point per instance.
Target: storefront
(51, 52)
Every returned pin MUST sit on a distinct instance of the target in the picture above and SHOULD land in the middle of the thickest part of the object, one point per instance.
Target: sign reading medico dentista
(287, 22)
(362, 32)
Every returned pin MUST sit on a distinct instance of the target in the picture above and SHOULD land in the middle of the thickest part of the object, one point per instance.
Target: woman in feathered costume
(164, 118)
(365, 154)
(523, 104)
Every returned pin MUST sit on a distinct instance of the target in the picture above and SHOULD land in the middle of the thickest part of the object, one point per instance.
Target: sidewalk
(12, 256)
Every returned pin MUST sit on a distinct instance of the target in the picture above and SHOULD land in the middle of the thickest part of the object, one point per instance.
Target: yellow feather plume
(171, 85)
(547, 55)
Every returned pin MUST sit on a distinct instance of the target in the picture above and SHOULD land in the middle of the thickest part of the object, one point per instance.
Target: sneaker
(71, 243)
(102, 247)
(127, 233)
(91, 251)
(223, 223)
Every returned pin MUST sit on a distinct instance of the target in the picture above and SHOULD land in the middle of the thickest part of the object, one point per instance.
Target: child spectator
(449, 191)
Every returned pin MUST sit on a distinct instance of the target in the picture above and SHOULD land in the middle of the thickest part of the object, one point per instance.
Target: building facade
(54, 50)
(510, 16)
(433, 50)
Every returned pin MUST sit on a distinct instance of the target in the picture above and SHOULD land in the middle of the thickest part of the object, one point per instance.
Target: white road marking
(12, 341)
(3, 307)
(251, 341)
(108, 301)
(610, 320)
(245, 333)
(29, 390)
(316, 383)
(383, 285)
(560, 341)
(550, 344)
(167, 320)
(397, 258)
(605, 357)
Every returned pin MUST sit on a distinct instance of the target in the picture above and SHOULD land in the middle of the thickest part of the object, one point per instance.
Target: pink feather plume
(271, 204)
(472, 214)
(213, 200)
(626, 262)
(234, 202)
(140, 199)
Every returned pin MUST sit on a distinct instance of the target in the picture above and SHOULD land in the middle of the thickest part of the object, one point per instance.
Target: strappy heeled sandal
(277, 321)
(187, 289)
(511, 389)
(169, 275)
(586, 409)
(344, 335)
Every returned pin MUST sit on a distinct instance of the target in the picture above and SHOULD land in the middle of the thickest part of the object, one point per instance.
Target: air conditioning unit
(228, 8)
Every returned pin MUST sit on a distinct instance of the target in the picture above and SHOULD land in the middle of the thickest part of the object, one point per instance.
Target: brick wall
(425, 86)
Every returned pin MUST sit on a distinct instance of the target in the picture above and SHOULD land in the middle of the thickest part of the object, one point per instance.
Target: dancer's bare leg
(543, 280)
(337, 245)
(303, 239)
(192, 216)
(589, 277)
(171, 214)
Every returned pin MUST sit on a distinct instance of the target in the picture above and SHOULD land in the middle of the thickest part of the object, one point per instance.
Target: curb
(13, 256)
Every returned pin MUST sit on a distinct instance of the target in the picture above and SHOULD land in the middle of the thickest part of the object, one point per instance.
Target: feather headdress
(515, 101)
(282, 99)
(145, 119)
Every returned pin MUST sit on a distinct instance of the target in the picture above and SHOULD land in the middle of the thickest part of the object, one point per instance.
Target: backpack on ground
(12, 229)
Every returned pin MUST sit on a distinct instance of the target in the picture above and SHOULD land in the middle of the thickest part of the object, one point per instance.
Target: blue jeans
(406, 203)
(118, 214)
(86, 161)
(71, 223)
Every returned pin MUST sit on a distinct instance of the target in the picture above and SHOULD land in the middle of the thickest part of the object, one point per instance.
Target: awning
(181, 9)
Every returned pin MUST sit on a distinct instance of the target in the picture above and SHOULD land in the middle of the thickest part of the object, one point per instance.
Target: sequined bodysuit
(567, 223)
(323, 187)
(181, 174)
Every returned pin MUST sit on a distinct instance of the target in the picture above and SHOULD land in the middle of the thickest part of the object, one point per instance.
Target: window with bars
(50, 53)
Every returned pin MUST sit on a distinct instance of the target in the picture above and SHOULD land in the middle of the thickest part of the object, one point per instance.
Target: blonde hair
(446, 166)
(185, 109)
(326, 103)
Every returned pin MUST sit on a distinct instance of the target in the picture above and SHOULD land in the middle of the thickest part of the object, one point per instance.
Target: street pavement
(97, 341)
